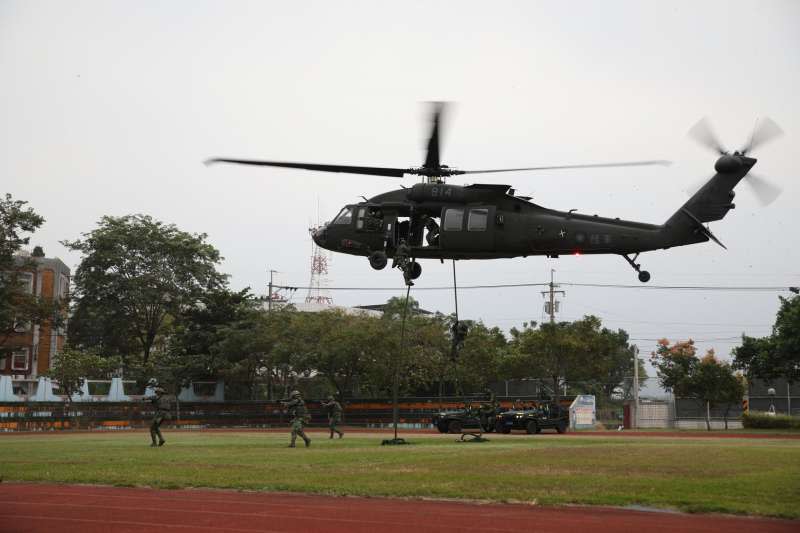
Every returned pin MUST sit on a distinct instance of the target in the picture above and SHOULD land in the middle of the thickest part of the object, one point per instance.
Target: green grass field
(750, 476)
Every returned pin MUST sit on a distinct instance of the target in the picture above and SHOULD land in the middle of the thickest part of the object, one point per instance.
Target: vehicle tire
(500, 427)
(532, 427)
(454, 426)
(416, 270)
(442, 427)
(644, 276)
(378, 260)
(561, 427)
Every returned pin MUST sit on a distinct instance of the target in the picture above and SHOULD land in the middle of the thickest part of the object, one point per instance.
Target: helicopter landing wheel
(415, 270)
(378, 260)
(644, 275)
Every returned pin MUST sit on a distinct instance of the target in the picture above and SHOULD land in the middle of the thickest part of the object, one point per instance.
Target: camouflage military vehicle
(474, 417)
(533, 420)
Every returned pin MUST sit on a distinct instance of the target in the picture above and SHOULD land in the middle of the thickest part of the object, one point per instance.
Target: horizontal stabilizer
(703, 229)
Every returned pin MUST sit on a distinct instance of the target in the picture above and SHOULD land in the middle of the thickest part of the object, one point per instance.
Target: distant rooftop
(382, 308)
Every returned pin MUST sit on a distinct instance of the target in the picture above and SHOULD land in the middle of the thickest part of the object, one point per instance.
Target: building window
(26, 280)
(63, 286)
(19, 359)
(477, 219)
(453, 219)
(21, 327)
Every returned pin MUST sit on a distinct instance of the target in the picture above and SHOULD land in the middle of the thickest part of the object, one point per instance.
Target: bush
(765, 421)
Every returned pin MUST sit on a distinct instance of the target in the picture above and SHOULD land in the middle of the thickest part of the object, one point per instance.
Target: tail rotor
(765, 130)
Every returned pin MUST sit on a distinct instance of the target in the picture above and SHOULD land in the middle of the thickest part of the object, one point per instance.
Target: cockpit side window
(345, 216)
(362, 211)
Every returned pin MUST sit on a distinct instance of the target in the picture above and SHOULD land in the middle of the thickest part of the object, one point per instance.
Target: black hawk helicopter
(435, 220)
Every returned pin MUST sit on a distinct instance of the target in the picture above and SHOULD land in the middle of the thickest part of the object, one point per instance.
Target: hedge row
(765, 421)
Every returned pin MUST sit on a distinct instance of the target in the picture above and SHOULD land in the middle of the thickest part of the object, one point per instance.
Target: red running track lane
(88, 509)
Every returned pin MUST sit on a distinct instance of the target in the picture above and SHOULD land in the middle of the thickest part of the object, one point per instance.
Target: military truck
(534, 419)
(476, 416)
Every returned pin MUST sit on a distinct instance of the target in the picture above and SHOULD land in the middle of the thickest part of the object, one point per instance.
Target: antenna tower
(318, 286)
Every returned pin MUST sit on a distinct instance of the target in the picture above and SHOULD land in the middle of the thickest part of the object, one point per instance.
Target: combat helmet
(294, 394)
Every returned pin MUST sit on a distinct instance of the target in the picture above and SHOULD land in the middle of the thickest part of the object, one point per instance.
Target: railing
(43, 416)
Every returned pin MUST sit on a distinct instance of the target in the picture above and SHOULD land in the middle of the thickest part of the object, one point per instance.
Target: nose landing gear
(644, 275)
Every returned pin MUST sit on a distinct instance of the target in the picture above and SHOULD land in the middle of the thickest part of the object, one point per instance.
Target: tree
(19, 307)
(15, 218)
(479, 359)
(72, 367)
(777, 355)
(135, 273)
(708, 380)
(570, 352)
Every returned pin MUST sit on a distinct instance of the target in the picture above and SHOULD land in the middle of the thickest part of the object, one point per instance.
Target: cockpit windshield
(345, 216)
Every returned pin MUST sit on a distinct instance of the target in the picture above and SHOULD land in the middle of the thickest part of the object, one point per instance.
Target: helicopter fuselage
(486, 221)
(480, 222)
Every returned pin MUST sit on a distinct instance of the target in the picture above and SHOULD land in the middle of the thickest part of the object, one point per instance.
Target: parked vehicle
(534, 419)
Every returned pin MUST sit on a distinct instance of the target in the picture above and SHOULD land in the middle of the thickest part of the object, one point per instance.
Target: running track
(47, 508)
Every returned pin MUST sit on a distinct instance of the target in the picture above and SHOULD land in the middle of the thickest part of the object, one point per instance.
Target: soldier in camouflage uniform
(161, 404)
(334, 415)
(297, 409)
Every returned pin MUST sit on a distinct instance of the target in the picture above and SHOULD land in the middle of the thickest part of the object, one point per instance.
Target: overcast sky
(110, 108)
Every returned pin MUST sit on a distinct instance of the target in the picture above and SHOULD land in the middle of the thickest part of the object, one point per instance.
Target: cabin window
(345, 216)
(19, 359)
(360, 220)
(453, 219)
(477, 219)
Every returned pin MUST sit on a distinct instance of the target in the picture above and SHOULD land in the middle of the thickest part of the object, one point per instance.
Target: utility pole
(635, 421)
(550, 305)
(269, 291)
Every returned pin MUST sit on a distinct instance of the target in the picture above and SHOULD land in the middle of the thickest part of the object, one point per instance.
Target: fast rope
(455, 289)
(455, 332)
(396, 383)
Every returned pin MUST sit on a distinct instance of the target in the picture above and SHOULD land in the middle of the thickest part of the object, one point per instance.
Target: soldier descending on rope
(402, 260)
(161, 403)
(334, 415)
(297, 410)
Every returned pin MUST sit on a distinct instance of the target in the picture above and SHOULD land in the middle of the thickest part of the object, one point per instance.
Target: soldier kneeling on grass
(297, 410)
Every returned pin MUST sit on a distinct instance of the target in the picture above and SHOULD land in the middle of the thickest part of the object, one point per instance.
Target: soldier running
(297, 410)
(334, 415)
(161, 403)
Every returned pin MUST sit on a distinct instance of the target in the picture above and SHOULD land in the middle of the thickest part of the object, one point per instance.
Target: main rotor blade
(372, 171)
(558, 167)
(432, 159)
(704, 134)
(764, 131)
(765, 191)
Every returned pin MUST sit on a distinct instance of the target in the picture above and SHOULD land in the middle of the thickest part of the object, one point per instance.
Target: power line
(721, 288)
